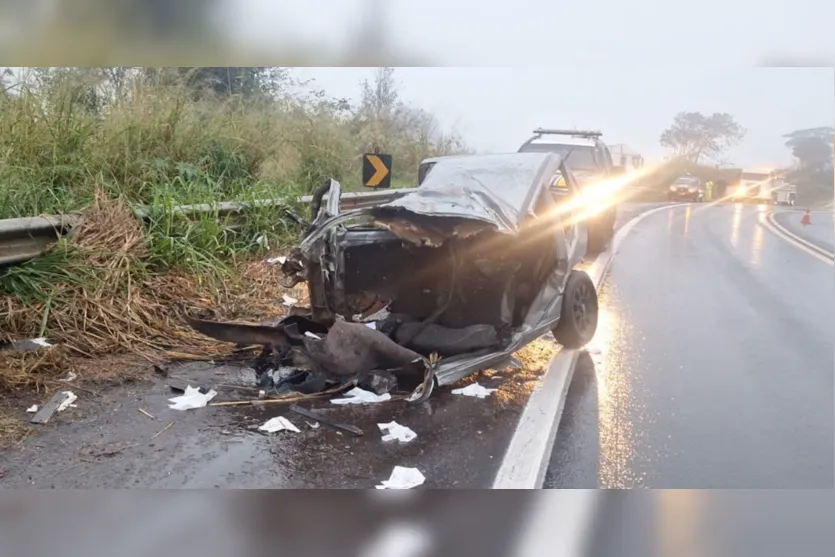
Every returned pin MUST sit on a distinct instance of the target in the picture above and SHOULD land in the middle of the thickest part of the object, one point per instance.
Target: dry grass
(110, 305)
(12, 430)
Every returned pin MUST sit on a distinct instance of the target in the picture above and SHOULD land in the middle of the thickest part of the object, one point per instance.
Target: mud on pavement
(129, 438)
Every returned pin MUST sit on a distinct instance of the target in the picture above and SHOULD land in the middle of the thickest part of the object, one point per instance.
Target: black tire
(578, 316)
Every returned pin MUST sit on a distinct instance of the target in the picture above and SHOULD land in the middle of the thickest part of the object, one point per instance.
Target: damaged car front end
(458, 275)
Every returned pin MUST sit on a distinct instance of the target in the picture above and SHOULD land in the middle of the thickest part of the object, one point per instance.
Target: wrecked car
(450, 279)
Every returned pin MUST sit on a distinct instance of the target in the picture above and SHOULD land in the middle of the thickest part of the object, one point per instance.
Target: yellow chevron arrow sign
(376, 170)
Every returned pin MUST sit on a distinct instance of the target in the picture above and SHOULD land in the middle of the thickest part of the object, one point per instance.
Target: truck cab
(590, 161)
(754, 186)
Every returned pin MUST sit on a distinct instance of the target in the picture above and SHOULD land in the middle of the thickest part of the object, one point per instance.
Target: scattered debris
(71, 376)
(397, 432)
(25, 345)
(515, 363)
(262, 241)
(68, 401)
(59, 402)
(32, 409)
(378, 383)
(403, 478)
(289, 300)
(192, 399)
(279, 423)
(313, 425)
(280, 260)
(147, 414)
(321, 419)
(474, 390)
(160, 432)
(361, 396)
(308, 334)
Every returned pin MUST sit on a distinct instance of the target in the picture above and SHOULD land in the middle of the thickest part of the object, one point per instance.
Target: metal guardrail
(26, 238)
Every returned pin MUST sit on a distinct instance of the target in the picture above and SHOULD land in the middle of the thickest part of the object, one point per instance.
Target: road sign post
(376, 171)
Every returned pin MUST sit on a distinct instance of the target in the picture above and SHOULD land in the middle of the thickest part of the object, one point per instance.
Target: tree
(812, 147)
(376, 112)
(224, 81)
(694, 136)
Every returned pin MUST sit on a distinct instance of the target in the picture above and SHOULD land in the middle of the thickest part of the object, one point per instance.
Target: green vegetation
(196, 135)
(108, 140)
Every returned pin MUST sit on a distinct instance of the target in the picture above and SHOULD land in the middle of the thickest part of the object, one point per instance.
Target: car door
(565, 190)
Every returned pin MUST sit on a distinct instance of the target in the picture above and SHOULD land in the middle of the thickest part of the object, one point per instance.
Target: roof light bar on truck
(589, 134)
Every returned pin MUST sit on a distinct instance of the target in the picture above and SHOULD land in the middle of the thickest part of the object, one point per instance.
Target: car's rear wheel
(578, 317)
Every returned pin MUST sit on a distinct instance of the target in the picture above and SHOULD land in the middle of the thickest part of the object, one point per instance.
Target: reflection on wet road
(713, 364)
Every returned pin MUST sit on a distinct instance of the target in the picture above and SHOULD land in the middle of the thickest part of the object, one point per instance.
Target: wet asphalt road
(821, 232)
(716, 362)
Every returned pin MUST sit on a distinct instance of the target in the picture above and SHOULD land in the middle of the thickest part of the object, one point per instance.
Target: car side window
(559, 187)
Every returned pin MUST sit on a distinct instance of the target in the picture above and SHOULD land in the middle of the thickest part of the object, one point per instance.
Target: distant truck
(784, 194)
(755, 186)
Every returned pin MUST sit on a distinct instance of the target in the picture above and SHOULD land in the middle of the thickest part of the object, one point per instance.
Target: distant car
(687, 188)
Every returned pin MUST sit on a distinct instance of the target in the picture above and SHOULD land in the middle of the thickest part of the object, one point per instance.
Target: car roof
(498, 188)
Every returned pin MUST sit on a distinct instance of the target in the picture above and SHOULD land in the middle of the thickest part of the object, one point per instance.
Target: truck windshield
(423, 170)
(582, 157)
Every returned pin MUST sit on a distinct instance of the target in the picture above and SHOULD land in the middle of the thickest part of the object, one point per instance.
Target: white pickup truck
(755, 186)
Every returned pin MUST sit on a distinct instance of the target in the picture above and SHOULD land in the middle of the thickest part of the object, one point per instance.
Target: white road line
(818, 252)
(529, 451)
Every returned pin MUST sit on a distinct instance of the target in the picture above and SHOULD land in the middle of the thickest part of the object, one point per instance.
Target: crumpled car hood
(497, 193)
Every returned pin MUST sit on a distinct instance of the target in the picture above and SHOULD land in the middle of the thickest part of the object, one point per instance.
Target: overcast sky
(495, 109)
(623, 67)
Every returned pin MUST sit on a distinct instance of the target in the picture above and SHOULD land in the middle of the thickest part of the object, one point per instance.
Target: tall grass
(158, 144)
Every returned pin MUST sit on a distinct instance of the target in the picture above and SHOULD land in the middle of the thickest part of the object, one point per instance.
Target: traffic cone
(807, 218)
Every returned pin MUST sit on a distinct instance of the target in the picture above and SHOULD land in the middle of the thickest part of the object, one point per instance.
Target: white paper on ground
(192, 399)
(32, 409)
(288, 300)
(70, 377)
(475, 390)
(361, 396)
(278, 423)
(393, 431)
(67, 401)
(403, 478)
(41, 341)
(280, 260)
